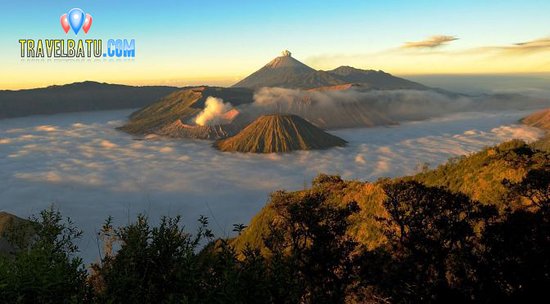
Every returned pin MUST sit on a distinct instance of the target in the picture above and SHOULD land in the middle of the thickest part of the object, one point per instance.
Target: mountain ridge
(78, 97)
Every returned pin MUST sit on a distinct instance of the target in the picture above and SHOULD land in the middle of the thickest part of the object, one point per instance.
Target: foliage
(516, 252)
(432, 241)
(312, 233)
(44, 268)
(480, 175)
(153, 263)
(410, 240)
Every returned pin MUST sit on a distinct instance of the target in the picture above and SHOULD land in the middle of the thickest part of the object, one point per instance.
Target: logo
(76, 19)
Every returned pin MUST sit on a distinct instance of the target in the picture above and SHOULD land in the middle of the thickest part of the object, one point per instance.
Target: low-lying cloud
(90, 170)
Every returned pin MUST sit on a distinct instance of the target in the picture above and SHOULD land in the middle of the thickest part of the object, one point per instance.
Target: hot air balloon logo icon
(76, 20)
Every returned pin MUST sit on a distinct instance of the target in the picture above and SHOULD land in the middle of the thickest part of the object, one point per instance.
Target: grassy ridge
(479, 176)
(540, 120)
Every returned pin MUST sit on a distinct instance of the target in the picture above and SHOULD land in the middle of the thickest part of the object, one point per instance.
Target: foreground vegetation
(407, 240)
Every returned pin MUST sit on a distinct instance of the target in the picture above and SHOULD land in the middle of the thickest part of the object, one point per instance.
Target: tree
(534, 187)
(45, 268)
(153, 264)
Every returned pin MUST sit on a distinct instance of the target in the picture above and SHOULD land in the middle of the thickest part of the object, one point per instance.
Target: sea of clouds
(85, 167)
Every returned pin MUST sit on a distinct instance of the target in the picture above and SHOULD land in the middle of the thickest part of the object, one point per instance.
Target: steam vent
(287, 53)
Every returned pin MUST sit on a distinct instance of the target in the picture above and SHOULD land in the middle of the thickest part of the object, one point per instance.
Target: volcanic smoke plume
(215, 113)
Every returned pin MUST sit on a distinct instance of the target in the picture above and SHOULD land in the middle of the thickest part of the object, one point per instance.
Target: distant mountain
(171, 116)
(279, 133)
(76, 97)
(287, 72)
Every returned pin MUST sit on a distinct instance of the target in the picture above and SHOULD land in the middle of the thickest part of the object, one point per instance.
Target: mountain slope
(279, 133)
(540, 119)
(479, 176)
(76, 97)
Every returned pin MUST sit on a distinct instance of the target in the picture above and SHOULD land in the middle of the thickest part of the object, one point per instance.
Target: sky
(183, 42)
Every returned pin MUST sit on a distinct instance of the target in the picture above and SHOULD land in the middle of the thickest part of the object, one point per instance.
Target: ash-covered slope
(279, 133)
(178, 129)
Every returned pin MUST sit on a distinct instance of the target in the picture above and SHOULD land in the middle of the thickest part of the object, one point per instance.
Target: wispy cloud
(429, 57)
(521, 48)
(430, 42)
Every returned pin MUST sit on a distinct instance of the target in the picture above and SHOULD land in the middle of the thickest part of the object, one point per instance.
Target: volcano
(287, 72)
(279, 133)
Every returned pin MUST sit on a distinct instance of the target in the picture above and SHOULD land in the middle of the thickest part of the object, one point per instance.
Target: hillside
(541, 120)
(7, 222)
(279, 133)
(170, 116)
(76, 97)
(287, 72)
(479, 176)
